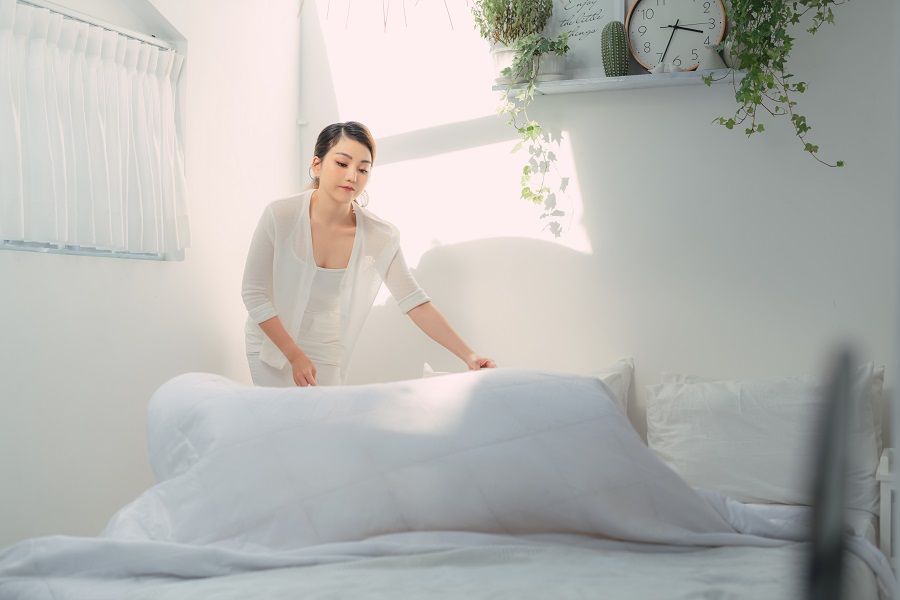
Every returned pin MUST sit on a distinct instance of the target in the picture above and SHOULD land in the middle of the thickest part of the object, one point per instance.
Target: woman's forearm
(430, 320)
(276, 332)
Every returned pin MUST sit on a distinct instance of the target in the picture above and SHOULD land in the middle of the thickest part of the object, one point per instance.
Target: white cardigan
(280, 268)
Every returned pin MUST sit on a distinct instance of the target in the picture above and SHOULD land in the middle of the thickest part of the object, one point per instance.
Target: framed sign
(584, 20)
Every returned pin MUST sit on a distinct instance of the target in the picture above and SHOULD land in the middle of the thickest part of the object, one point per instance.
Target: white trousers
(266, 375)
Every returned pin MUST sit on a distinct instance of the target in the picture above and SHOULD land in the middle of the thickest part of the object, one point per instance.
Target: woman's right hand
(304, 370)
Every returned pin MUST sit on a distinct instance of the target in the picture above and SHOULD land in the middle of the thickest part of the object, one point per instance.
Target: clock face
(674, 31)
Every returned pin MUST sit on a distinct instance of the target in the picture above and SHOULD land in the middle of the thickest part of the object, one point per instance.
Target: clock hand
(663, 57)
(680, 27)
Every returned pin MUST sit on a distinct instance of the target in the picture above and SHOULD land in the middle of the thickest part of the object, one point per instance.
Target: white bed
(498, 483)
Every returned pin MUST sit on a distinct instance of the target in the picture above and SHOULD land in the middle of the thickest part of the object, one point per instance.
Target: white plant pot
(503, 56)
(551, 67)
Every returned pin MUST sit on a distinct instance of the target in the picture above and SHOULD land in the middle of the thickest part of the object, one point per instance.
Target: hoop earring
(311, 176)
(363, 199)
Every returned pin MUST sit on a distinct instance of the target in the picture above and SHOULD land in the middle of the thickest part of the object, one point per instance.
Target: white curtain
(90, 146)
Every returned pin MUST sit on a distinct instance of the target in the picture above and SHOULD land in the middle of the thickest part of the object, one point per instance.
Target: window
(91, 158)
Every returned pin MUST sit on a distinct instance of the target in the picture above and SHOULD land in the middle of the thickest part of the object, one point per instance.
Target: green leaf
(761, 37)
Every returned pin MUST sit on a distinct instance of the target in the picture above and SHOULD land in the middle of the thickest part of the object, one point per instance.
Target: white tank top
(320, 329)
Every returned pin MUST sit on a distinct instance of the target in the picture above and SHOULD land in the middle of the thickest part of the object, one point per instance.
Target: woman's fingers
(482, 363)
(304, 378)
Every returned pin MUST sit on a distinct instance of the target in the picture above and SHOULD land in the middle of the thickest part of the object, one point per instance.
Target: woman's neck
(328, 211)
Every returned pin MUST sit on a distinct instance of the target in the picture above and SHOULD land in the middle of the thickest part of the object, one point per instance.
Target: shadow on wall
(443, 139)
(520, 301)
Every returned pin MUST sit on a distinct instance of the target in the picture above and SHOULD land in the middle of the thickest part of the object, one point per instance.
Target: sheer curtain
(90, 148)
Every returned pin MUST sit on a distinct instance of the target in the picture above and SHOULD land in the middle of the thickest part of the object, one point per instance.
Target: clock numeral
(642, 30)
(660, 2)
(712, 22)
(707, 42)
(706, 6)
(647, 47)
(694, 56)
(647, 13)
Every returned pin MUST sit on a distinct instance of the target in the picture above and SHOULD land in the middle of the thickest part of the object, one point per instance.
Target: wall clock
(674, 31)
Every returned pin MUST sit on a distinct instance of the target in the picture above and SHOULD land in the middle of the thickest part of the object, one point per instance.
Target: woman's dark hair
(329, 136)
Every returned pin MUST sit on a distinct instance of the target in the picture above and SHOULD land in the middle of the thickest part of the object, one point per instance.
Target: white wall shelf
(628, 82)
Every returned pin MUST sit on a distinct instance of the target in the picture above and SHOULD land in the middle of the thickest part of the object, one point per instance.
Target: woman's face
(344, 172)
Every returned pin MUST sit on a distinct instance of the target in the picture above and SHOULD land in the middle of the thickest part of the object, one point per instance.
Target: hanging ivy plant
(760, 43)
(514, 105)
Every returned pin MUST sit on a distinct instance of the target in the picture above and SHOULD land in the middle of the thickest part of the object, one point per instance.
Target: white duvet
(254, 479)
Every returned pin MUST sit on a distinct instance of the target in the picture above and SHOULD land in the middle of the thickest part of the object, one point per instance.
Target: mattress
(539, 572)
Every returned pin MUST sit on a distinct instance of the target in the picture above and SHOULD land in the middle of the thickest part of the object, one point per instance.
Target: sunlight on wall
(385, 69)
(464, 196)
(420, 78)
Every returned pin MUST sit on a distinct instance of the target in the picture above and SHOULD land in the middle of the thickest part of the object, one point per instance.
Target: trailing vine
(514, 104)
(760, 44)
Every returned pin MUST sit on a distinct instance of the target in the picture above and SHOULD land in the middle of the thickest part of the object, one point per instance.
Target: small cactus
(614, 49)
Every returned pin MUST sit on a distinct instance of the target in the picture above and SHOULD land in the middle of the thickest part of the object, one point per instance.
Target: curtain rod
(77, 16)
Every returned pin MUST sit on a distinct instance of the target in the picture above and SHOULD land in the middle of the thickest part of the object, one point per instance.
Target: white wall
(692, 248)
(676, 254)
(86, 341)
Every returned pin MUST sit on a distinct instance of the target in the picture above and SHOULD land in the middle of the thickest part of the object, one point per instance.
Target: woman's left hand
(479, 362)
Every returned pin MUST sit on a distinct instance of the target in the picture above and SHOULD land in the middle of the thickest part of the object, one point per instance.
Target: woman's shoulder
(375, 224)
(289, 207)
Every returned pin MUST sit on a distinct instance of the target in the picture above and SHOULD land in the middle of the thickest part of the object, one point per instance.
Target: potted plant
(531, 65)
(540, 58)
(758, 44)
(503, 22)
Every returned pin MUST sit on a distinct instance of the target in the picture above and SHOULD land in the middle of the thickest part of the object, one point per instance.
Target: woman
(315, 265)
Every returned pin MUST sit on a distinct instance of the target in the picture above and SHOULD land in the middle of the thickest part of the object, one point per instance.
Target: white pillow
(495, 451)
(618, 377)
(755, 440)
(875, 397)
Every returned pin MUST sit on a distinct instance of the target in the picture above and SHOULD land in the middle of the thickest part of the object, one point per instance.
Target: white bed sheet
(860, 523)
(539, 572)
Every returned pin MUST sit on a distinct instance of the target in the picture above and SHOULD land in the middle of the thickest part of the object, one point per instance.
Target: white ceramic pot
(551, 67)
(502, 56)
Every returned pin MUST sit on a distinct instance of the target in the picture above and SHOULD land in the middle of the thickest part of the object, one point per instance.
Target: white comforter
(258, 478)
